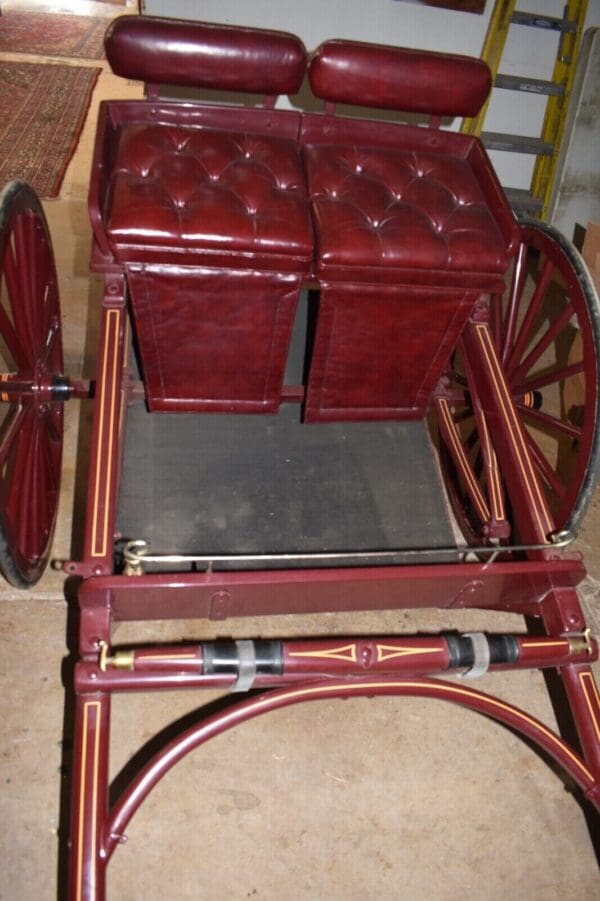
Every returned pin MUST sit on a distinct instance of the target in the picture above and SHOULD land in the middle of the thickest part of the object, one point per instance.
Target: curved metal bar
(192, 738)
(137, 552)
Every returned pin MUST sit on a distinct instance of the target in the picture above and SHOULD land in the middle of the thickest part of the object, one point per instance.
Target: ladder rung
(493, 140)
(529, 85)
(521, 199)
(538, 20)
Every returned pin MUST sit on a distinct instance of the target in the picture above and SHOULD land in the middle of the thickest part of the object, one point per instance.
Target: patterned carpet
(43, 111)
(81, 37)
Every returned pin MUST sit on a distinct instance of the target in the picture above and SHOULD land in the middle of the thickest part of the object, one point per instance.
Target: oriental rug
(43, 111)
(45, 34)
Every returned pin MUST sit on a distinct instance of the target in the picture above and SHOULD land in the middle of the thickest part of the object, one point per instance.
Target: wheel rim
(30, 357)
(546, 331)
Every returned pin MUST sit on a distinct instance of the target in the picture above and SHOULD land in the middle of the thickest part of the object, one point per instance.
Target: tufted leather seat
(410, 226)
(210, 190)
(380, 210)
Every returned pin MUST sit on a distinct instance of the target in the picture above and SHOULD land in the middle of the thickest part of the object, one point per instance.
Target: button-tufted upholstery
(207, 189)
(387, 223)
(213, 335)
(383, 210)
(220, 214)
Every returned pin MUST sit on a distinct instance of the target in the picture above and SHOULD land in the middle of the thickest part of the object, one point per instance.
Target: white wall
(528, 51)
(398, 22)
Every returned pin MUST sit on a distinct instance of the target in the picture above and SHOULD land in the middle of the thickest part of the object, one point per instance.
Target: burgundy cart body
(211, 219)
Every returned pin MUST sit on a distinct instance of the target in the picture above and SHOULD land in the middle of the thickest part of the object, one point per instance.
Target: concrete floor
(395, 799)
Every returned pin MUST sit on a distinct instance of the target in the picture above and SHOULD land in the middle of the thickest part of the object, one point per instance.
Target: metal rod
(136, 553)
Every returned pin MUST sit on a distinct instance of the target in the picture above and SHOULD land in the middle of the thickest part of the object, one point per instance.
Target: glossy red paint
(97, 831)
(107, 432)
(90, 797)
(534, 518)
(393, 308)
(32, 429)
(520, 586)
(188, 666)
(236, 714)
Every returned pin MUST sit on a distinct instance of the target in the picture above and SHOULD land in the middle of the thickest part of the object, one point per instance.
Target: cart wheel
(31, 361)
(546, 328)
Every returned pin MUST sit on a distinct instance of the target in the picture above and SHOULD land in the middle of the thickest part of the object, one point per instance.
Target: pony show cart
(334, 373)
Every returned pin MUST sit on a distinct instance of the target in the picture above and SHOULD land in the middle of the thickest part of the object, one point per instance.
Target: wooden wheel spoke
(26, 258)
(46, 457)
(54, 431)
(453, 443)
(20, 510)
(543, 466)
(551, 334)
(550, 423)
(462, 415)
(490, 470)
(26, 263)
(514, 300)
(549, 378)
(43, 286)
(36, 508)
(18, 313)
(496, 319)
(525, 331)
(12, 341)
(532, 327)
(29, 508)
(52, 334)
(11, 427)
(45, 486)
(471, 442)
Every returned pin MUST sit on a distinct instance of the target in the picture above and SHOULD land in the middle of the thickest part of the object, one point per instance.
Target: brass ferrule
(118, 660)
(581, 644)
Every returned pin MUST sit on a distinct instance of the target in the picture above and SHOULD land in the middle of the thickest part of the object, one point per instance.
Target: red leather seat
(379, 211)
(211, 190)
(410, 228)
(206, 206)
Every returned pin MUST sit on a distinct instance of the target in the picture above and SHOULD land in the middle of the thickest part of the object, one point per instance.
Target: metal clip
(133, 553)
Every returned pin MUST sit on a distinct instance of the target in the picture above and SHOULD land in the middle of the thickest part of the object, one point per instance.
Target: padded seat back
(395, 78)
(202, 55)
(405, 238)
(206, 207)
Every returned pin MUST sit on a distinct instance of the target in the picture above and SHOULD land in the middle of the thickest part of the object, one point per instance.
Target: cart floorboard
(337, 487)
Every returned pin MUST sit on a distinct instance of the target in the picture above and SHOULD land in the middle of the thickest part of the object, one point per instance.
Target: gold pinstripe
(82, 792)
(100, 535)
(347, 652)
(533, 489)
(445, 688)
(388, 651)
(590, 697)
(478, 498)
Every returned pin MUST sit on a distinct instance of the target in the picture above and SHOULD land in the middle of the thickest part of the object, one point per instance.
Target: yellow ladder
(558, 91)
